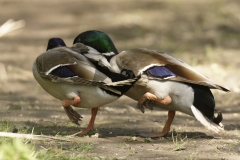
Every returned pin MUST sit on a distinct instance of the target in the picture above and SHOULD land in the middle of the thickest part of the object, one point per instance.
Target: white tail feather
(205, 121)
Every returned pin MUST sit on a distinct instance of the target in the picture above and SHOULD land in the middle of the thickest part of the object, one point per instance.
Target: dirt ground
(205, 34)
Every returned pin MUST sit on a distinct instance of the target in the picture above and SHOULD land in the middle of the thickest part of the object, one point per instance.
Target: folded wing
(162, 66)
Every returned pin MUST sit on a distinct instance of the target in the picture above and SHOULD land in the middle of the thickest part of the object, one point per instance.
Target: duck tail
(218, 119)
(215, 125)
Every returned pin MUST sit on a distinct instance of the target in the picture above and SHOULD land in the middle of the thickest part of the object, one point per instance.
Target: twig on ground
(11, 25)
(31, 136)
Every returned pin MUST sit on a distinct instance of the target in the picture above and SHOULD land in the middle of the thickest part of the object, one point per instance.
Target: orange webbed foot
(165, 130)
(72, 115)
(90, 124)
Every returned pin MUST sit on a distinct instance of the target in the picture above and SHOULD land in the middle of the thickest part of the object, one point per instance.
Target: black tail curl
(218, 118)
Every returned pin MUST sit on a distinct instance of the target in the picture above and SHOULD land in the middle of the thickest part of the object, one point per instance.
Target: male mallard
(166, 82)
(71, 78)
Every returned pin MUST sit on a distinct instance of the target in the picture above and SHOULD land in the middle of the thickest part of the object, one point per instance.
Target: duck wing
(158, 65)
(63, 65)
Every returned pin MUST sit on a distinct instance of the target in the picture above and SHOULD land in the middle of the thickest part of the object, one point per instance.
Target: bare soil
(205, 34)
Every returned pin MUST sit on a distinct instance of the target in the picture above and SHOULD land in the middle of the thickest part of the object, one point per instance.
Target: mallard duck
(166, 82)
(72, 78)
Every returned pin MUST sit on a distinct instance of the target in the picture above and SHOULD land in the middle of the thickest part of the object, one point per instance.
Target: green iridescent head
(97, 40)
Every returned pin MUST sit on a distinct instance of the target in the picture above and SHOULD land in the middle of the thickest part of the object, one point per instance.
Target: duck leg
(165, 130)
(148, 97)
(72, 115)
(144, 100)
(75, 117)
(90, 124)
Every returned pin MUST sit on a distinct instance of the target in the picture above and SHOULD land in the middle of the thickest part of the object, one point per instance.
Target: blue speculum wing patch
(160, 71)
(63, 72)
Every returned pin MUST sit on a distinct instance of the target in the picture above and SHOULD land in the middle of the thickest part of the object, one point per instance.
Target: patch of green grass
(147, 140)
(22, 149)
(106, 158)
(179, 143)
(131, 139)
(119, 159)
(85, 147)
(56, 154)
(6, 126)
(69, 152)
(15, 149)
(191, 157)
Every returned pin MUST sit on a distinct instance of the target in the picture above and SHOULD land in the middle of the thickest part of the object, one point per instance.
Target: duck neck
(109, 55)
